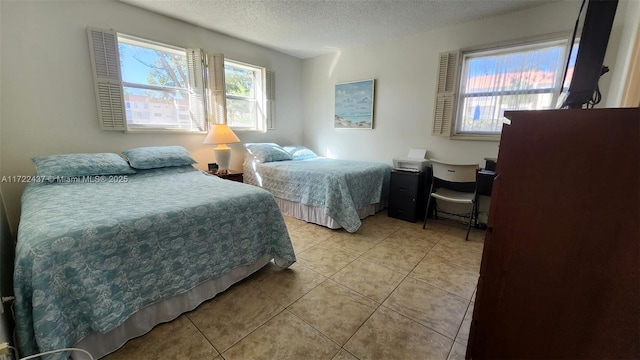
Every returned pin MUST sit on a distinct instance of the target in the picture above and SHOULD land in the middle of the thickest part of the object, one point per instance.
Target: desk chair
(456, 184)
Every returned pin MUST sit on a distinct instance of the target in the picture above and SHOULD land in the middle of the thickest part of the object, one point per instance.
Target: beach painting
(354, 105)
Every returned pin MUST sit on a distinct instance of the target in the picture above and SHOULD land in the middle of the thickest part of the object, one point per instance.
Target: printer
(414, 162)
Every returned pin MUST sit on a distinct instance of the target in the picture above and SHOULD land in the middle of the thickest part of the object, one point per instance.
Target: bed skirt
(140, 323)
(317, 215)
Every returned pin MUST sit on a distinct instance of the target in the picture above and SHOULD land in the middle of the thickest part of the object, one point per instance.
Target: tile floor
(390, 291)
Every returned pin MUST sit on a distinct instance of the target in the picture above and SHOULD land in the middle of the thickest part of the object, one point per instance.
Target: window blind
(445, 93)
(197, 89)
(109, 86)
(217, 110)
(103, 48)
(271, 99)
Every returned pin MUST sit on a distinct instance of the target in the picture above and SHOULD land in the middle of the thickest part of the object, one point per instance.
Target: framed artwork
(354, 105)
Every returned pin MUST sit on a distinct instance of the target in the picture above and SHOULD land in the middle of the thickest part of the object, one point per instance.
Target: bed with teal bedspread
(340, 187)
(92, 253)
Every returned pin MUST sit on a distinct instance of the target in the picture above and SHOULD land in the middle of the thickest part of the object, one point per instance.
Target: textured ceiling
(308, 28)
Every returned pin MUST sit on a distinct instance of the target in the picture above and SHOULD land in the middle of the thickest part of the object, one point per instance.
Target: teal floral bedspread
(341, 187)
(91, 253)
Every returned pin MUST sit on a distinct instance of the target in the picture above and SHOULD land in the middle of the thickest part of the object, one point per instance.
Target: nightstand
(230, 175)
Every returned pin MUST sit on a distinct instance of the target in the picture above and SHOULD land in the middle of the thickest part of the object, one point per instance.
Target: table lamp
(221, 135)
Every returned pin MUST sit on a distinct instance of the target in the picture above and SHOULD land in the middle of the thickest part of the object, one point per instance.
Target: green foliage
(168, 70)
(238, 81)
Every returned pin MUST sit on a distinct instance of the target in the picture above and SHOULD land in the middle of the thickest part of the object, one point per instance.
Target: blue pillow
(72, 165)
(268, 152)
(153, 157)
(300, 152)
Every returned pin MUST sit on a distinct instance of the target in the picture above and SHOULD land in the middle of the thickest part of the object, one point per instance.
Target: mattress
(343, 189)
(90, 254)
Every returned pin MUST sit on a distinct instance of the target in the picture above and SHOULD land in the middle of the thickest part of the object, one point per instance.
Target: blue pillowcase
(268, 152)
(153, 157)
(72, 165)
(300, 152)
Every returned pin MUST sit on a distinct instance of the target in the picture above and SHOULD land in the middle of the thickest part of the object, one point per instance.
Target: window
(143, 85)
(155, 75)
(245, 96)
(523, 77)
(164, 81)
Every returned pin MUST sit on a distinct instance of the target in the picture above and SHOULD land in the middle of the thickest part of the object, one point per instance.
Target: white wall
(405, 71)
(625, 31)
(48, 104)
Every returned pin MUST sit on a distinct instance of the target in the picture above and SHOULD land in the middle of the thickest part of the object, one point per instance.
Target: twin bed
(107, 249)
(329, 192)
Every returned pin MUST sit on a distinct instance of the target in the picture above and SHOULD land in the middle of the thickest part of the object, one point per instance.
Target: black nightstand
(230, 175)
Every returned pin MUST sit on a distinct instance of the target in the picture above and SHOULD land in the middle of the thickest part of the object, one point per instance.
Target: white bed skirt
(140, 323)
(317, 215)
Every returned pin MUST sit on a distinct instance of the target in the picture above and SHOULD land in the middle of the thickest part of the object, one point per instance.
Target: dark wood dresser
(560, 269)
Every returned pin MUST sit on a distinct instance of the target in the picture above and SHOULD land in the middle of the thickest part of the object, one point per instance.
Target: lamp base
(223, 155)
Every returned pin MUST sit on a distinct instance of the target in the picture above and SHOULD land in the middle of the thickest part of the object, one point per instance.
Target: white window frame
(139, 42)
(450, 85)
(109, 85)
(259, 97)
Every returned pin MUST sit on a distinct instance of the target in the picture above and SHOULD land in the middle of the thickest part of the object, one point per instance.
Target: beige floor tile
(458, 352)
(186, 341)
(460, 253)
(334, 310)
(382, 218)
(344, 355)
(261, 273)
(411, 225)
(352, 242)
(288, 285)
(463, 333)
(429, 305)
(301, 243)
(441, 226)
(307, 236)
(460, 231)
(369, 279)
(284, 337)
(416, 239)
(418, 319)
(397, 259)
(326, 260)
(318, 231)
(372, 227)
(292, 222)
(230, 316)
(389, 335)
(451, 277)
(460, 242)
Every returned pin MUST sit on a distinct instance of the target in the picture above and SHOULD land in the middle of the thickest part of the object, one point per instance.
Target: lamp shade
(220, 134)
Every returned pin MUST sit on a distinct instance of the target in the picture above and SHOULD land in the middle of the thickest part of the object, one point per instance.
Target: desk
(486, 176)
(490, 163)
(485, 182)
(484, 185)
